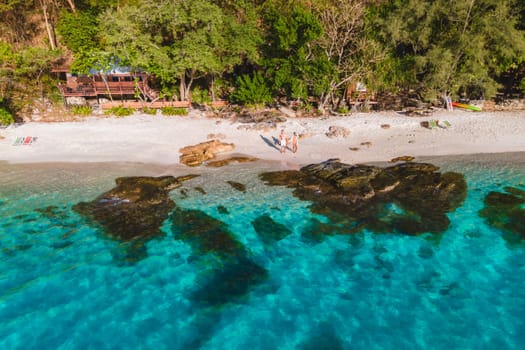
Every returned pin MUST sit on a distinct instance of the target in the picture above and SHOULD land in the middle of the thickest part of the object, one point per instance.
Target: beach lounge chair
(432, 124)
(445, 124)
(28, 140)
(24, 140)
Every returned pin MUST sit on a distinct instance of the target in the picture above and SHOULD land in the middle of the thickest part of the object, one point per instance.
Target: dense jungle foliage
(255, 52)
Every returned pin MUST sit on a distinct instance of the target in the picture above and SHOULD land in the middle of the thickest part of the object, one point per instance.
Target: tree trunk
(185, 87)
(188, 85)
(139, 93)
(107, 86)
(50, 32)
(459, 51)
(212, 87)
(182, 87)
(323, 99)
(72, 5)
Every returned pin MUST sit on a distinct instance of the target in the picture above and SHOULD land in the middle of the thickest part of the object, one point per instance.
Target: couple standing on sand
(284, 141)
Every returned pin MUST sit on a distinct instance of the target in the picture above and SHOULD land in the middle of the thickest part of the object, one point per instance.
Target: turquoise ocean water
(64, 284)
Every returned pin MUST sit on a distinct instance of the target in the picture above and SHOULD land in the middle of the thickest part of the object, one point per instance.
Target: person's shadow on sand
(271, 143)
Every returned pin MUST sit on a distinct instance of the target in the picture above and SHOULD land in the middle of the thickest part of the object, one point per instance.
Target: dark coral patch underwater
(233, 280)
(235, 273)
(204, 233)
(506, 212)
(269, 230)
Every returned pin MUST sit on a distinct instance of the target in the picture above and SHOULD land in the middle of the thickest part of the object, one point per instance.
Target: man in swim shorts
(283, 140)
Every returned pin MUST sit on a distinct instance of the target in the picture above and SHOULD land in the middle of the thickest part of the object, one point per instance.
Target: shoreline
(373, 137)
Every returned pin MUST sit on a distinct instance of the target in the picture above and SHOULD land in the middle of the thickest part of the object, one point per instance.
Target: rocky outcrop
(402, 159)
(134, 209)
(256, 120)
(215, 136)
(263, 116)
(504, 105)
(337, 131)
(410, 198)
(197, 154)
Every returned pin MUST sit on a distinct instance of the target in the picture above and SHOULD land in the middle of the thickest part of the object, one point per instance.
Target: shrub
(150, 111)
(306, 107)
(6, 118)
(55, 97)
(221, 88)
(121, 111)
(174, 111)
(81, 110)
(343, 110)
(252, 91)
(200, 96)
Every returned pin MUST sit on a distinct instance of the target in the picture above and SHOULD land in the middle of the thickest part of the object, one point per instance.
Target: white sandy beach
(157, 139)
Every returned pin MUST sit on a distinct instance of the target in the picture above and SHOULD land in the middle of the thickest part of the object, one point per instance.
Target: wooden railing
(139, 105)
(102, 88)
(158, 104)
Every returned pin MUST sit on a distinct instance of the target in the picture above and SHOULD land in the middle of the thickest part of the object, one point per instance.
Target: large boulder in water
(135, 208)
(409, 198)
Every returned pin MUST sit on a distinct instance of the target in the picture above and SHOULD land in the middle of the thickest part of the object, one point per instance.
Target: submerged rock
(135, 208)
(228, 160)
(409, 198)
(204, 233)
(316, 231)
(234, 279)
(506, 212)
(402, 159)
(237, 185)
(269, 230)
(222, 209)
(235, 273)
(200, 190)
(52, 212)
(324, 337)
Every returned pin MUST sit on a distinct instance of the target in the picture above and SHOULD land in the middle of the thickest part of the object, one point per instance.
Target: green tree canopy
(304, 49)
(294, 65)
(7, 68)
(180, 40)
(453, 47)
(79, 30)
(34, 63)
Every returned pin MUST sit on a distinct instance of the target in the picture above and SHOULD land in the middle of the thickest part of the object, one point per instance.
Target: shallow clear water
(66, 285)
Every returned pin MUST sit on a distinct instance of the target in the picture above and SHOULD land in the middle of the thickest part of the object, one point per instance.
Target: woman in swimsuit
(294, 142)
